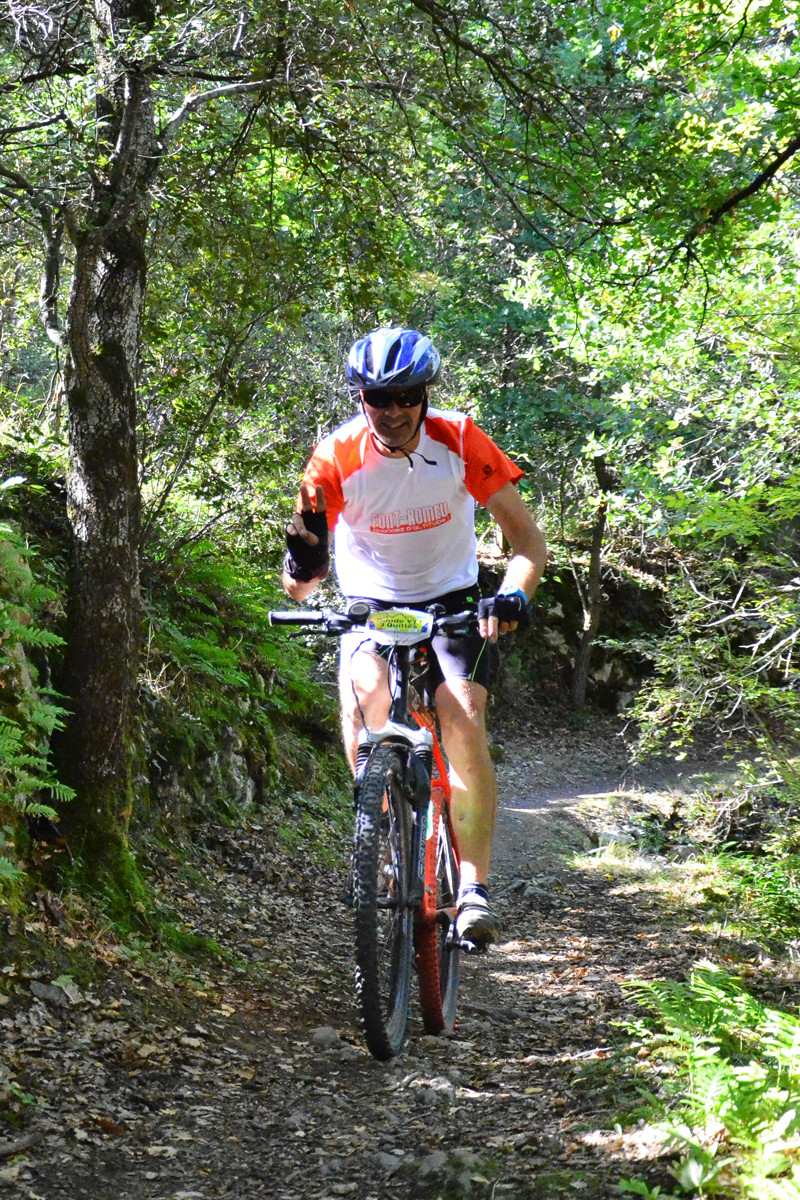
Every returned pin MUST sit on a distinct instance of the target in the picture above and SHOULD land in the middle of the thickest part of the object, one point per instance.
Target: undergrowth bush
(217, 680)
(28, 712)
(731, 1096)
(729, 667)
(749, 828)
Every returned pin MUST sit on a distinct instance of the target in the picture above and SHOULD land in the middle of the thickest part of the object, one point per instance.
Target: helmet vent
(391, 357)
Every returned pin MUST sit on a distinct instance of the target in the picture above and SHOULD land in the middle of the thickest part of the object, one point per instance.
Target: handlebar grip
(296, 618)
(468, 619)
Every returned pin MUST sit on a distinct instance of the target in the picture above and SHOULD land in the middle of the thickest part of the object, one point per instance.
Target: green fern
(738, 1064)
(29, 713)
(8, 871)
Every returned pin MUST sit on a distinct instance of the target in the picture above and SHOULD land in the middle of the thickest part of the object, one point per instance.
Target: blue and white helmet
(393, 357)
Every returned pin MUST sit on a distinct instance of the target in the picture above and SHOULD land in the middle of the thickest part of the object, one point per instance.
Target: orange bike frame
(440, 791)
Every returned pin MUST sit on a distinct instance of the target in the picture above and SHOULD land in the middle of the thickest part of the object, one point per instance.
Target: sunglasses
(402, 397)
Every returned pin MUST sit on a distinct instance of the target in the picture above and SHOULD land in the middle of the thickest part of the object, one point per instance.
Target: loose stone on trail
(326, 1038)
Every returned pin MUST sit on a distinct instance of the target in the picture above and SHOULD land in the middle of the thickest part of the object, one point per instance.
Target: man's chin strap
(431, 462)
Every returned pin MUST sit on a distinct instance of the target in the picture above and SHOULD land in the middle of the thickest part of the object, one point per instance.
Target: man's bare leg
(461, 705)
(462, 715)
(369, 675)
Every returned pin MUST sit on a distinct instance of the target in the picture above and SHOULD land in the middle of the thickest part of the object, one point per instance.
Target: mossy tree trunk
(102, 339)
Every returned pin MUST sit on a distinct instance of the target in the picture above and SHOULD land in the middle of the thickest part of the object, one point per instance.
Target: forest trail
(253, 1080)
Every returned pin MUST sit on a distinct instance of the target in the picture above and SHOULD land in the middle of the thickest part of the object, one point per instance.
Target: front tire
(384, 942)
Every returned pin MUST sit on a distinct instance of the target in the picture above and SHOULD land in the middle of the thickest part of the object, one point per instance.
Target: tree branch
(52, 233)
(438, 14)
(11, 130)
(192, 103)
(737, 197)
(125, 139)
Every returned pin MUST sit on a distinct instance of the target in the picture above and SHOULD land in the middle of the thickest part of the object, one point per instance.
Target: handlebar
(328, 621)
(296, 618)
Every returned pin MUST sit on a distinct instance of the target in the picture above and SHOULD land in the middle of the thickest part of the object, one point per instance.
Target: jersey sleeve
(487, 468)
(322, 469)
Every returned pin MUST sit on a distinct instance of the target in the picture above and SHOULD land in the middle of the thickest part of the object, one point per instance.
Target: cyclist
(397, 486)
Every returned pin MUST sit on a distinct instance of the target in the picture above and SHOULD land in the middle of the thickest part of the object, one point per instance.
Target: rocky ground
(150, 1079)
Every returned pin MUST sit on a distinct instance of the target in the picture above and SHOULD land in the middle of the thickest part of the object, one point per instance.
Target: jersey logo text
(410, 520)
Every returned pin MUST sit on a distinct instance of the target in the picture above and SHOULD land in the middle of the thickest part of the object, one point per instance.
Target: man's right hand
(307, 536)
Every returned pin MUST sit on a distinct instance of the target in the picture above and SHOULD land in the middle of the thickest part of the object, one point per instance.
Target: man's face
(394, 413)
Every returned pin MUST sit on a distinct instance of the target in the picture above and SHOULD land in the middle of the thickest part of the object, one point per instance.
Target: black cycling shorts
(471, 657)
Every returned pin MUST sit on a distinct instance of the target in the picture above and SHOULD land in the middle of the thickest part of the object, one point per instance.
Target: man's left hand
(502, 613)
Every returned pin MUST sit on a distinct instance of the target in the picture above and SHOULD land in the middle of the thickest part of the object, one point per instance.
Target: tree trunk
(592, 608)
(592, 595)
(104, 511)
(103, 331)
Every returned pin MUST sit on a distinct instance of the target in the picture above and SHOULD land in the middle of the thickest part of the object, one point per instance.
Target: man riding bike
(397, 485)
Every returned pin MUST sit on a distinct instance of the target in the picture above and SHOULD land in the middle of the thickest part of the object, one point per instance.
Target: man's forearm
(526, 568)
(298, 589)
(528, 547)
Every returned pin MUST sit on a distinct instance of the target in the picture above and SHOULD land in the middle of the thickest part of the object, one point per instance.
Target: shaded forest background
(594, 211)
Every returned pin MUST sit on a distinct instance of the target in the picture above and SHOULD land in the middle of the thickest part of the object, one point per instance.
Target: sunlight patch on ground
(645, 1142)
(682, 887)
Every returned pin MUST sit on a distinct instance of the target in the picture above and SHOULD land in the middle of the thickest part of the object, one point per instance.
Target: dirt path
(254, 1081)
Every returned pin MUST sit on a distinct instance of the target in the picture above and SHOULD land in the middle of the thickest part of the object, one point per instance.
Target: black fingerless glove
(506, 606)
(306, 562)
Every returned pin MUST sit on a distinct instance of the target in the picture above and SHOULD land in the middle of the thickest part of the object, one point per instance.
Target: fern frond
(8, 871)
(60, 791)
(34, 809)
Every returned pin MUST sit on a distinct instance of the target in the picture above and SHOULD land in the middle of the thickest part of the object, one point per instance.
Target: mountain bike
(405, 857)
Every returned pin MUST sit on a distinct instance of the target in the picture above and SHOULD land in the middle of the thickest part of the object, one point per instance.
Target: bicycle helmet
(393, 357)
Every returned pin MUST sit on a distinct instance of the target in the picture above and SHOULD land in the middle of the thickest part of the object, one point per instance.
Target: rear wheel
(384, 942)
(437, 948)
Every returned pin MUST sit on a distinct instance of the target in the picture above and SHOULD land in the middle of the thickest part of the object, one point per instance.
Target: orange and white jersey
(402, 534)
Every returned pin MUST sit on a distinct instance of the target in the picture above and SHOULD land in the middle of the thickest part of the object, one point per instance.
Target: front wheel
(437, 947)
(384, 942)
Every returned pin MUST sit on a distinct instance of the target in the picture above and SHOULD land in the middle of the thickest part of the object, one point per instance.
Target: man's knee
(462, 715)
(462, 703)
(364, 688)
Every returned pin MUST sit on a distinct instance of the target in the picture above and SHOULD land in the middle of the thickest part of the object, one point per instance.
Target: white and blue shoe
(476, 920)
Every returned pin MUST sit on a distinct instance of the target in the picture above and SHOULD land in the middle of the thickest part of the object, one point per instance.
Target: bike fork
(416, 891)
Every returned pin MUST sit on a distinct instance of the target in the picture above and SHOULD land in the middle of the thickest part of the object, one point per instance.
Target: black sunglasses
(402, 397)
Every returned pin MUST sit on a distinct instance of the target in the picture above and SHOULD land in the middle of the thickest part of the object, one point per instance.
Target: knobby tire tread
(384, 939)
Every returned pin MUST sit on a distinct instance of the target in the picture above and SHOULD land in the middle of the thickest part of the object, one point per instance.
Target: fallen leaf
(110, 1126)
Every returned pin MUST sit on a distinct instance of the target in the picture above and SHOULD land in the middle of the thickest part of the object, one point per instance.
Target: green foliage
(545, 189)
(733, 1068)
(219, 682)
(729, 664)
(28, 712)
(759, 864)
(687, 387)
(768, 889)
